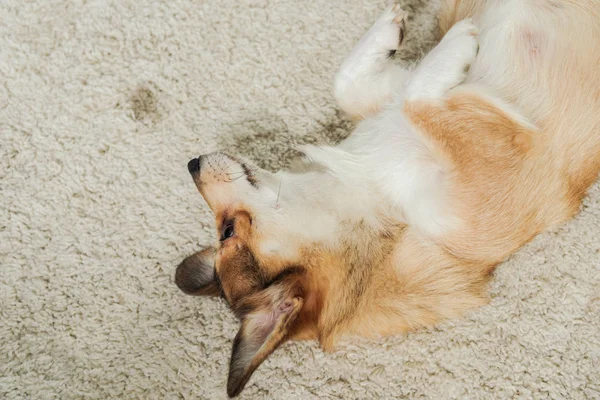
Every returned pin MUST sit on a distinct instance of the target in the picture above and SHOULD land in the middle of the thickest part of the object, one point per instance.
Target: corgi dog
(452, 166)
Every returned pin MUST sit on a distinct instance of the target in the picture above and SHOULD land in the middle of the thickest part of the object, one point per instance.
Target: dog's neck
(315, 202)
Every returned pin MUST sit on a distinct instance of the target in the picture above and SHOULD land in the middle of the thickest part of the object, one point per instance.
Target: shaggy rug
(102, 103)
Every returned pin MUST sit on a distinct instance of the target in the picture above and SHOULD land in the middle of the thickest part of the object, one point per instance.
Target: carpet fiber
(102, 103)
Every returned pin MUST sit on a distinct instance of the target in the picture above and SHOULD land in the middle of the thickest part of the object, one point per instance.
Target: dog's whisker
(241, 171)
(278, 193)
(229, 180)
(235, 177)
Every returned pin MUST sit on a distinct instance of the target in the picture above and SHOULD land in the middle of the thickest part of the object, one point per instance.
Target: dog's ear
(267, 317)
(196, 274)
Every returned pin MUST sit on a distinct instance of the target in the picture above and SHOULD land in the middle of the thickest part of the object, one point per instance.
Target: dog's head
(256, 266)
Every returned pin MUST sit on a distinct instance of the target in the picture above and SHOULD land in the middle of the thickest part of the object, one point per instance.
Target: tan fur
(499, 187)
(411, 284)
(385, 283)
(455, 10)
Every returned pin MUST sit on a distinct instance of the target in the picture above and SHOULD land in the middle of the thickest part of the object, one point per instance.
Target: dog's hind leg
(445, 67)
(368, 77)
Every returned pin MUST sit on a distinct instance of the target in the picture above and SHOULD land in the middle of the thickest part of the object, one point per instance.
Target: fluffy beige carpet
(101, 106)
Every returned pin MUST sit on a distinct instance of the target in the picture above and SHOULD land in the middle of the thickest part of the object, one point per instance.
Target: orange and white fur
(447, 173)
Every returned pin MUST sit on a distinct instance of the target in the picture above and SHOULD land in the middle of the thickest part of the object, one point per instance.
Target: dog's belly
(542, 56)
(516, 47)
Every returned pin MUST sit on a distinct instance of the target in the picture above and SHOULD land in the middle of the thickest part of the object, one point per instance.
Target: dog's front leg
(419, 185)
(368, 77)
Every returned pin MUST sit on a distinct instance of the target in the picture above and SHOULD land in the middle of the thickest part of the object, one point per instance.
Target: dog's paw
(400, 20)
(372, 52)
(466, 27)
(461, 43)
(388, 31)
(447, 64)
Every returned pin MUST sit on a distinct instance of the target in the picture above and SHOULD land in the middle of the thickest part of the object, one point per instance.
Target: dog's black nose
(194, 165)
